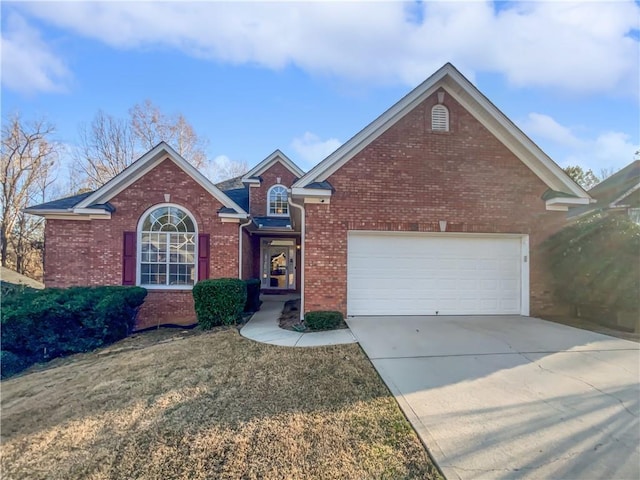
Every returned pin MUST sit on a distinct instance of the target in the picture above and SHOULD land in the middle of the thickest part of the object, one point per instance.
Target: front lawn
(169, 404)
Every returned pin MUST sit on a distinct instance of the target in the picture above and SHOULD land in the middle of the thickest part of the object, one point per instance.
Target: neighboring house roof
(617, 191)
(96, 203)
(9, 276)
(464, 92)
(253, 175)
(230, 184)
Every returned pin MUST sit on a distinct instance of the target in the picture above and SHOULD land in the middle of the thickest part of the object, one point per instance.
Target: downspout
(302, 236)
(242, 225)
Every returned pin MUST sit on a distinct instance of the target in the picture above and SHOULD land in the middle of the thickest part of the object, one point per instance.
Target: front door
(278, 264)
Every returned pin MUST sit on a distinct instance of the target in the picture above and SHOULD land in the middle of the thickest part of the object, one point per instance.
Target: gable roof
(144, 164)
(277, 156)
(613, 191)
(66, 203)
(465, 93)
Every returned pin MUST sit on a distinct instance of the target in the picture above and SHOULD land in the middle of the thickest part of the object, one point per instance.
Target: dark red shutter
(129, 258)
(203, 256)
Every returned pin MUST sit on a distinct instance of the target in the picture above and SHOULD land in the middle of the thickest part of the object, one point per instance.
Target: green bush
(219, 301)
(38, 325)
(11, 363)
(253, 295)
(596, 261)
(322, 320)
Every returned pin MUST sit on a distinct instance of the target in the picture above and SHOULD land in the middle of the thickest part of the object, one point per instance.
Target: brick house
(437, 207)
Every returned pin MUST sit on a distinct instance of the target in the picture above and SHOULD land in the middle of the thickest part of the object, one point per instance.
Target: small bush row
(39, 325)
(322, 320)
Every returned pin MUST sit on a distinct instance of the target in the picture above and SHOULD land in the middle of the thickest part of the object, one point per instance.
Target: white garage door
(435, 274)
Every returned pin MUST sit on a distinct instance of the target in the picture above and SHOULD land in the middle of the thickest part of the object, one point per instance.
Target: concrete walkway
(263, 327)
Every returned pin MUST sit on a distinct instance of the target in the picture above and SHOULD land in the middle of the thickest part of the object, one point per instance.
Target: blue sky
(305, 77)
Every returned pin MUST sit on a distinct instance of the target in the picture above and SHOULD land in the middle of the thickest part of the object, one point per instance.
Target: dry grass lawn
(167, 404)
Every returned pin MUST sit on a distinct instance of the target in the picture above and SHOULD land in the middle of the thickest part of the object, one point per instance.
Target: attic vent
(439, 119)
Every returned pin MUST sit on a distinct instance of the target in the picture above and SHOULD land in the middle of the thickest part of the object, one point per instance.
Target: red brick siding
(166, 307)
(90, 252)
(258, 196)
(408, 179)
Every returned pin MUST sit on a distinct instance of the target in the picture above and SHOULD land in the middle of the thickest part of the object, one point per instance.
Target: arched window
(167, 248)
(439, 118)
(277, 201)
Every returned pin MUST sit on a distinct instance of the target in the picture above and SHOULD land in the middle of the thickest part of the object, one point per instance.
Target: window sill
(167, 288)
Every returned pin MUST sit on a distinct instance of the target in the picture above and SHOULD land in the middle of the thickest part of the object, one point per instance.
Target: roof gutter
(240, 228)
(302, 249)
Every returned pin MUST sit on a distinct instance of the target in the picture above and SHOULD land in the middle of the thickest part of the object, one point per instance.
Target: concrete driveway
(512, 397)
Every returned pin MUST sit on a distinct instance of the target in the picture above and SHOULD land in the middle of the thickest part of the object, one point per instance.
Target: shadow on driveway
(512, 397)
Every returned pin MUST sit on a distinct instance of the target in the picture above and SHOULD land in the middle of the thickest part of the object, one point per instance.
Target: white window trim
(139, 249)
(286, 202)
(446, 112)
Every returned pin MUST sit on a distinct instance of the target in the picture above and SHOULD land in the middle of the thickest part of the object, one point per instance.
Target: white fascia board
(41, 212)
(455, 84)
(251, 181)
(563, 203)
(614, 204)
(310, 192)
(233, 215)
(146, 163)
(511, 136)
(91, 211)
(69, 215)
(276, 156)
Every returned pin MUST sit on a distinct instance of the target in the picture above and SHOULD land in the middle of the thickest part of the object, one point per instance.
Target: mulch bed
(290, 316)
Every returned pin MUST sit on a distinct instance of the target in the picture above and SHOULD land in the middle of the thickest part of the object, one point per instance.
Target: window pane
(153, 274)
(168, 257)
(278, 201)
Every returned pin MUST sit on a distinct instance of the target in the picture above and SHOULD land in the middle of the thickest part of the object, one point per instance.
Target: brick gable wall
(90, 252)
(258, 196)
(409, 179)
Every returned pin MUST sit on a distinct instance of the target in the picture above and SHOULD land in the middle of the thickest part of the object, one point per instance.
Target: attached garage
(400, 273)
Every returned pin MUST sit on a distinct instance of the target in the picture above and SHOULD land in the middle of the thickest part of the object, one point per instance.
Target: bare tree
(108, 145)
(223, 168)
(106, 148)
(150, 126)
(606, 172)
(28, 159)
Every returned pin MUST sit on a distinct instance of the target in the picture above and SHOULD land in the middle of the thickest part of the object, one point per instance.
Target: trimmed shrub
(7, 289)
(253, 295)
(219, 301)
(38, 325)
(322, 320)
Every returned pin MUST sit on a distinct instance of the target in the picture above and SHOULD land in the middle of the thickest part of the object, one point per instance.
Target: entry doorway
(278, 265)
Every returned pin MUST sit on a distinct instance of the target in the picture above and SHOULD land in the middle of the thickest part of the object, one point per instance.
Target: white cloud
(599, 151)
(582, 47)
(311, 149)
(546, 127)
(28, 63)
(608, 151)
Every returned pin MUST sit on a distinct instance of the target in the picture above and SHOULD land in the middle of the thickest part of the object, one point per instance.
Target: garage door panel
(421, 275)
